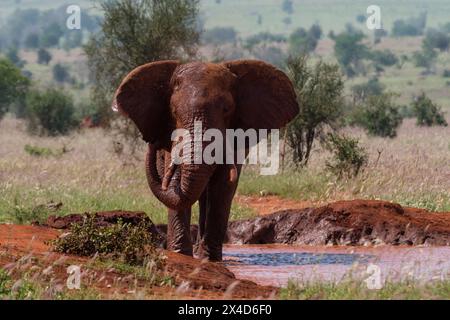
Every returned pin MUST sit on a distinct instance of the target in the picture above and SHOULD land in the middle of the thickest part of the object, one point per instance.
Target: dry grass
(90, 177)
(413, 169)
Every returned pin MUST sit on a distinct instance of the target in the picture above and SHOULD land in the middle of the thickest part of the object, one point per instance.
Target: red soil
(205, 280)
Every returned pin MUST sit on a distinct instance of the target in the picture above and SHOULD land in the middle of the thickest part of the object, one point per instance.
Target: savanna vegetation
(373, 122)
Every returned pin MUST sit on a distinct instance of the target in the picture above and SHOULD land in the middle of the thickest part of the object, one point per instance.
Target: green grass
(357, 290)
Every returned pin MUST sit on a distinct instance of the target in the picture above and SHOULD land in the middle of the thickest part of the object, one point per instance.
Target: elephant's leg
(202, 204)
(218, 204)
(178, 232)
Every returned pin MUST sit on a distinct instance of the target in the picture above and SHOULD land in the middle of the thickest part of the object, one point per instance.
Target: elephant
(162, 96)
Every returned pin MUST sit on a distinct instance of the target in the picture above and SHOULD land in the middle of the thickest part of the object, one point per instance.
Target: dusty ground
(25, 249)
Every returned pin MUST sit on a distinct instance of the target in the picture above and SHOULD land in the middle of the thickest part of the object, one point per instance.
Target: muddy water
(276, 264)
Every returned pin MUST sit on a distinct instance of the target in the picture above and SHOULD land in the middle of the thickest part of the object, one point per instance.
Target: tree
(50, 112)
(302, 41)
(383, 58)
(220, 35)
(411, 27)
(51, 35)
(44, 57)
(60, 73)
(288, 6)
(436, 39)
(427, 112)
(13, 55)
(373, 87)
(135, 32)
(425, 58)
(32, 41)
(350, 51)
(13, 85)
(320, 96)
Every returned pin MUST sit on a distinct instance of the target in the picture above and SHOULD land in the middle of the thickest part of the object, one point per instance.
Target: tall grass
(357, 290)
(413, 169)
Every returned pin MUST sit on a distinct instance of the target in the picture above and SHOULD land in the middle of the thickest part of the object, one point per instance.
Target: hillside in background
(244, 15)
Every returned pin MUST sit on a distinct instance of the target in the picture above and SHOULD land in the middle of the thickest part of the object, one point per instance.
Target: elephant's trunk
(182, 193)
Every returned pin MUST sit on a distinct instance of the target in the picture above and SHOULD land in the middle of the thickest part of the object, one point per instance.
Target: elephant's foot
(182, 248)
(208, 252)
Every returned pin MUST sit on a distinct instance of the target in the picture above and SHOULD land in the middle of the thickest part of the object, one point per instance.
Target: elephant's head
(163, 96)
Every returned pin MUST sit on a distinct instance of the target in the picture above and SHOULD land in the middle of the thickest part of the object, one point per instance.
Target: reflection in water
(277, 264)
(289, 258)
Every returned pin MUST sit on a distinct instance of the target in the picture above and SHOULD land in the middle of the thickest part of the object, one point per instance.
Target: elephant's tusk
(168, 176)
(233, 174)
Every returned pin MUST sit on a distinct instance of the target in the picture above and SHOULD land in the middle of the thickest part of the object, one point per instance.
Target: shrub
(436, 39)
(384, 58)
(425, 58)
(319, 93)
(373, 87)
(411, 27)
(379, 115)
(427, 112)
(43, 151)
(220, 35)
(50, 112)
(60, 73)
(13, 85)
(303, 41)
(132, 244)
(348, 157)
(446, 73)
(44, 57)
(263, 37)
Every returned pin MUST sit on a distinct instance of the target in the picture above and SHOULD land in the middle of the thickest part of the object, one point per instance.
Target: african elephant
(162, 96)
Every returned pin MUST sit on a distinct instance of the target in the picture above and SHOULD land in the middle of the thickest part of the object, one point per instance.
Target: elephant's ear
(144, 97)
(264, 95)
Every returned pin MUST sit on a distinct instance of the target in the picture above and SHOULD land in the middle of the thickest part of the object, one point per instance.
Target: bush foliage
(379, 115)
(133, 244)
(50, 112)
(427, 112)
(319, 92)
(348, 156)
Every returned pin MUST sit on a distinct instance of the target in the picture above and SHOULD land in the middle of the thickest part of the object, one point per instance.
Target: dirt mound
(192, 278)
(357, 222)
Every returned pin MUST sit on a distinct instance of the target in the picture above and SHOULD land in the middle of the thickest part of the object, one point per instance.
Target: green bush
(60, 73)
(37, 151)
(348, 157)
(320, 96)
(350, 50)
(44, 57)
(373, 87)
(12, 85)
(427, 112)
(379, 115)
(413, 26)
(132, 244)
(220, 35)
(50, 112)
(304, 41)
(436, 39)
